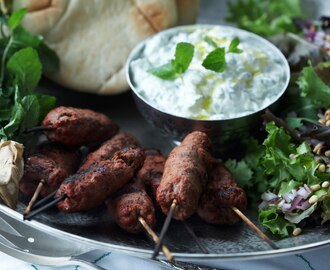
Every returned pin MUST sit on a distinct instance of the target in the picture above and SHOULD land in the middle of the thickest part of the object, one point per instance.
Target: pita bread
(94, 39)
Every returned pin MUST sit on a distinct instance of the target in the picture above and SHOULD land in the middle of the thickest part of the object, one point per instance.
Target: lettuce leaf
(313, 88)
(267, 17)
(271, 220)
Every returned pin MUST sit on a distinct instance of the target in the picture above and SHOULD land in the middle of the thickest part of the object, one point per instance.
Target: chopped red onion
(304, 191)
(268, 196)
(289, 196)
(304, 205)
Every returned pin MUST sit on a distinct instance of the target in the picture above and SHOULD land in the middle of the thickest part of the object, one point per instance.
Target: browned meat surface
(74, 127)
(51, 162)
(130, 203)
(185, 175)
(108, 149)
(221, 193)
(90, 188)
(152, 171)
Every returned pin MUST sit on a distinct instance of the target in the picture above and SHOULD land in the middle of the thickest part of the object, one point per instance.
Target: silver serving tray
(96, 229)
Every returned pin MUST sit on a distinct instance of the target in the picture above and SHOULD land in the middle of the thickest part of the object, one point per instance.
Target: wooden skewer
(44, 207)
(38, 128)
(202, 247)
(164, 229)
(155, 238)
(254, 227)
(44, 199)
(34, 197)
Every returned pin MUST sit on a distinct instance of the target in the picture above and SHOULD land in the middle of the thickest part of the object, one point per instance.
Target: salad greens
(267, 17)
(286, 170)
(24, 58)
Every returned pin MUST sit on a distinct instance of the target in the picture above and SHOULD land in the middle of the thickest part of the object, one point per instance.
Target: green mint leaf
(16, 18)
(22, 39)
(165, 72)
(25, 66)
(13, 125)
(46, 104)
(210, 41)
(184, 54)
(49, 59)
(5, 108)
(215, 60)
(233, 46)
(31, 108)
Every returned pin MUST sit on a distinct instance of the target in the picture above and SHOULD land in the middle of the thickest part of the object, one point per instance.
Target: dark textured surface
(221, 241)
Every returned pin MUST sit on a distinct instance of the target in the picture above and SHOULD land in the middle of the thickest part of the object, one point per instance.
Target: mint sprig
(233, 46)
(24, 57)
(216, 59)
(184, 53)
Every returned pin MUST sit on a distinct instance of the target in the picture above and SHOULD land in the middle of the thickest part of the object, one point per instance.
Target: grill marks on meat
(152, 171)
(108, 149)
(133, 201)
(51, 162)
(90, 188)
(185, 175)
(129, 204)
(74, 127)
(221, 193)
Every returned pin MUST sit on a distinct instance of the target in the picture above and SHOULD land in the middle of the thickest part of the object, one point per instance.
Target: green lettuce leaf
(271, 220)
(313, 88)
(267, 17)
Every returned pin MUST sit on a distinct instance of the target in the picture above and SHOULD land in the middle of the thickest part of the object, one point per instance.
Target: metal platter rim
(139, 252)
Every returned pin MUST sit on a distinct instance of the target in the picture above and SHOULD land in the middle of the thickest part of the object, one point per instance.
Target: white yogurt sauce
(252, 80)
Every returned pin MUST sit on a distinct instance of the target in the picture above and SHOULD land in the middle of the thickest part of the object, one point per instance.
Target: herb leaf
(23, 58)
(184, 53)
(16, 18)
(215, 60)
(233, 46)
(26, 67)
(266, 18)
(210, 41)
(314, 88)
(165, 72)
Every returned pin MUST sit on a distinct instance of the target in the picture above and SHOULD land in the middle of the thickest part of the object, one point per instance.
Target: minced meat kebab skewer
(45, 169)
(184, 178)
(76, 127)
(152, 171)
(220, 194)
(223, 201)
(51, 162)
(131, 207)
(90, 188)
(104, 152)
(108, 149)
(185, 175)
(132, 201)
(94, 185)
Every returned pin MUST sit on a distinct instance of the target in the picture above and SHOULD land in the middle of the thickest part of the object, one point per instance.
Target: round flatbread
(94, 38)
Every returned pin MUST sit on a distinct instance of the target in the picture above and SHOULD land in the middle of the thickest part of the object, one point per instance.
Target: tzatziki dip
(252, 79)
